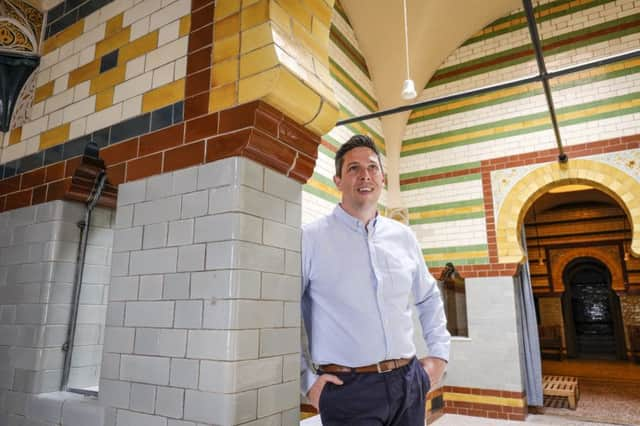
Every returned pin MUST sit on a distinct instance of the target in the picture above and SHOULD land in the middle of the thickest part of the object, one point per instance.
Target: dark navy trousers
(395, 398)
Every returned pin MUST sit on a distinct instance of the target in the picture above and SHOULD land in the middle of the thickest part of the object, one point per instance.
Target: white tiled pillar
(203, 318)
(38, 250)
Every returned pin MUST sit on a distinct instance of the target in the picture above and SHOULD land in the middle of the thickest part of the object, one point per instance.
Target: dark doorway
(593, 323)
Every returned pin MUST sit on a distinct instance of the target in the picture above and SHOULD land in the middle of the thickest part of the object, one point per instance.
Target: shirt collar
(352, 222)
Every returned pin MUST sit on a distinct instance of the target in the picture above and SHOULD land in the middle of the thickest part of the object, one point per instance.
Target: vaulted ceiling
(436, 29)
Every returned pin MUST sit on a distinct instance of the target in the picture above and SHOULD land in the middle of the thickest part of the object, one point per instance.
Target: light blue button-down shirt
(356, 283)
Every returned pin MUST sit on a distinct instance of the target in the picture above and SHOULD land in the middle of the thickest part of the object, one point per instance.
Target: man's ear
(337, 180)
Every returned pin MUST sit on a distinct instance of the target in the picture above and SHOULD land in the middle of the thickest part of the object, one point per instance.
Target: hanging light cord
(406, 38)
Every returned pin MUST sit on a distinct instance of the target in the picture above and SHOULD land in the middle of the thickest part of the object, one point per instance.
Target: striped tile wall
(444, 145)
(354, 91)
(103, 62)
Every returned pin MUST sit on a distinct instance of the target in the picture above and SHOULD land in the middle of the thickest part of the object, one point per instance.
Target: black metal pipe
(84, 226)
(542, 70)
(514, 83)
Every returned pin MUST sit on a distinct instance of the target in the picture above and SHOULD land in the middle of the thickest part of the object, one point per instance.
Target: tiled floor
(455, 420)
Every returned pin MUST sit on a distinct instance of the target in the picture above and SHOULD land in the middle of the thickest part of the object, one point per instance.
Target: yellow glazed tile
(226, 27)
(258, 60)
(294, 98)
(114, 25)
(222, 97)
(256, 37)
(55, 136)
(15, 136)
(226, 48)
(43, 92)
(484, 399)
(257, 86)
(84, 73)
(138, 47)
(226, 8)
(326, 119)
(185, 25)
(163, 96)
(63, 37)
(224, 72)
(107, 79)
(280, 17)
(305, 37)
(320, 10)
(112, 43)
(298, 12)
(255, 14)
(104, 99)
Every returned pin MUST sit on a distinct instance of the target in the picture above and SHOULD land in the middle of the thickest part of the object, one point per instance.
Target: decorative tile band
(544, 12)
(485, 403)
(461, 255)
(119, 132)
(352, 86)
(69, 12)
(629, 67)
(447, 212)
(575, 114)
(348, 49)
(551, 46)
(442, 181)
(412, 177)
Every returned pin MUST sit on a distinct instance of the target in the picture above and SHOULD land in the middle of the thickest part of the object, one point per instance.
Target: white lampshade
(408, 90)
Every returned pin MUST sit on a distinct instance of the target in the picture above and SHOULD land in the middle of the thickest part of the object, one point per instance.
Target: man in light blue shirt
(359, 270)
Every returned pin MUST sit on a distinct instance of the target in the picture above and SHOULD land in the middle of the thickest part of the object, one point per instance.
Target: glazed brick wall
(478, 409)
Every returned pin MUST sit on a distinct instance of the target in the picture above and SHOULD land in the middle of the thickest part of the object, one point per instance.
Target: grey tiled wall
(203, 318)
(38, 249)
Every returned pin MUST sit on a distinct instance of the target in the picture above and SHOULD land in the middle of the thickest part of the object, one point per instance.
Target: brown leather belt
(380, 367)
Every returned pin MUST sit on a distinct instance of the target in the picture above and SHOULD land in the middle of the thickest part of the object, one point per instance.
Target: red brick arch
(609, 255)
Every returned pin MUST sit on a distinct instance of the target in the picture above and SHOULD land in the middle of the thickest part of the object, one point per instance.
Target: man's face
(362, 179)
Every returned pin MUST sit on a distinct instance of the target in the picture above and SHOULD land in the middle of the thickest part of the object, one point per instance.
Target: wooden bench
(563, 386)
(550, 341)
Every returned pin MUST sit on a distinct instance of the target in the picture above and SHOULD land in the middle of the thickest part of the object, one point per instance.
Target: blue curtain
(529, 333)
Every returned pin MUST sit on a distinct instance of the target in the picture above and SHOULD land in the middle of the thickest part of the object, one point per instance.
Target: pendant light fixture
(408, 87)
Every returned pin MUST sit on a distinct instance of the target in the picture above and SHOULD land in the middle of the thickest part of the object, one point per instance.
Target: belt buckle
(380, 370)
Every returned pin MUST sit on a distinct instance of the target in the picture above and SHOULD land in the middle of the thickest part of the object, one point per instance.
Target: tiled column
(38, 248)
(203, 318)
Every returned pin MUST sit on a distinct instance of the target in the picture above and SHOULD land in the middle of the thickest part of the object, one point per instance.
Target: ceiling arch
(436, 29)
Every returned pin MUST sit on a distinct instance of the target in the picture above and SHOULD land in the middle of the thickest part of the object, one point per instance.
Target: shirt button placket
(379, 292)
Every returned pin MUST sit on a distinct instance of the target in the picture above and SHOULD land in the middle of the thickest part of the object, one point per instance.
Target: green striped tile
(539, 19)
(458, 262)
(450, 205)
(446, 218)
(321, 194)
(455, 249)
(349, 50)
(440, 182)
(608, 35)
(341, 76)
(440, 170)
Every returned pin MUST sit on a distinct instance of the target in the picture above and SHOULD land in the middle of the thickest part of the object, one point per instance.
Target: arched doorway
(593, 321)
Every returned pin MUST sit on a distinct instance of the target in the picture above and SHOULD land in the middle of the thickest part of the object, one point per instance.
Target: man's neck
(365, 214)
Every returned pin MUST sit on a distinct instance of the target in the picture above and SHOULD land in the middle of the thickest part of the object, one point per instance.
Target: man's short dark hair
(355, 141)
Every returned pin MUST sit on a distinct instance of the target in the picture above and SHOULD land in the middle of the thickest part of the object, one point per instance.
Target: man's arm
(311, 384)
(308, 375)
(432, 317)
